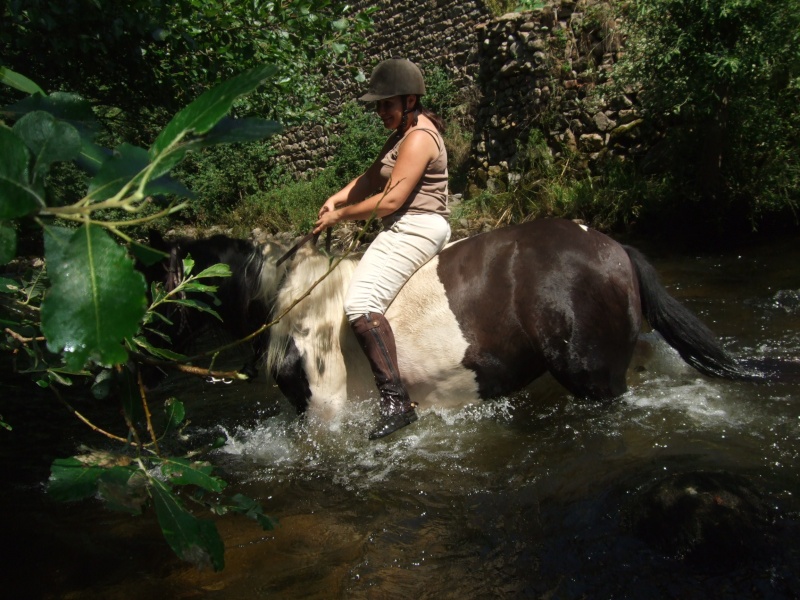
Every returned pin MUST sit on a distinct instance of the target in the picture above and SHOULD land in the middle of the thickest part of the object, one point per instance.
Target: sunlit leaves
(96, 300)
(715, 81)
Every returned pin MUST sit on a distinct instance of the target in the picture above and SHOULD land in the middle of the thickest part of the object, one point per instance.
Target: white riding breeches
(391, 259)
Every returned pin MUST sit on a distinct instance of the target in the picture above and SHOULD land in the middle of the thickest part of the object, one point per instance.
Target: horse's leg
(601, 381)
(592, 361)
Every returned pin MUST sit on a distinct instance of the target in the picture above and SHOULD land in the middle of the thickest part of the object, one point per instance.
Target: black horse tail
(681, 328)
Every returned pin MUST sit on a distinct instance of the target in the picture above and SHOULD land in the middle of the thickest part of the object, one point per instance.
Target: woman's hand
(328, 217)
(329, 206)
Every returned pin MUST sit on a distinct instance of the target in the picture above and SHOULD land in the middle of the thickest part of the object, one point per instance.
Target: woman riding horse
(407, 187)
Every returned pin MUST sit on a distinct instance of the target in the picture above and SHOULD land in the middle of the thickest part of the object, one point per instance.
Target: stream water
(687, 487)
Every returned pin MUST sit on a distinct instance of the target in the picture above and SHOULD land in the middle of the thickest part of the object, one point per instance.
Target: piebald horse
(484, 318)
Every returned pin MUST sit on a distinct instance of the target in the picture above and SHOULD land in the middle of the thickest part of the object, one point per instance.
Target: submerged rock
(715, 520)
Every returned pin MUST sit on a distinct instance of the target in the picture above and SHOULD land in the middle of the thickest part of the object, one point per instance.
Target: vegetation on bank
(718, 90)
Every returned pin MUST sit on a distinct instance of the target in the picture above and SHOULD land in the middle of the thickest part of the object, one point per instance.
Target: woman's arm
(362, 186)
(415, 153)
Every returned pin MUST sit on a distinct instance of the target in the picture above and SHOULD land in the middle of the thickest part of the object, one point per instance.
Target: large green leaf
(192, 539)
(19, 82)
(91, 156)
(71, 479)
(230, 131)
(127, 163)
(49, 139)
(64, 106)
(18, 196)
(185, 472)
(205, 112)
(96, 299)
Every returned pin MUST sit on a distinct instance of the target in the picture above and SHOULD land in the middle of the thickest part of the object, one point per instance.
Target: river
(687, 487)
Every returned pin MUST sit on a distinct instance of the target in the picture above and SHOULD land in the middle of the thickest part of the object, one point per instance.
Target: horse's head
(243, 300)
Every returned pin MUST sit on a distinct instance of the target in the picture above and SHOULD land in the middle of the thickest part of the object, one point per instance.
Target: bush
(223, 176)
(609, 200)
(721, 81)
(362, 138)
(279, 202)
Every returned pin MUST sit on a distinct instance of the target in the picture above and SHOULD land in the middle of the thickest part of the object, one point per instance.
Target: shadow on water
(685, 488)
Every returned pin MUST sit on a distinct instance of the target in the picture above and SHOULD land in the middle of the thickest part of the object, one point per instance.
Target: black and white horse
(485, 318)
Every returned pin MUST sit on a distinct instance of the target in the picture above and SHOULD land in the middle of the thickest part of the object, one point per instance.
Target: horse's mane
(318, 318)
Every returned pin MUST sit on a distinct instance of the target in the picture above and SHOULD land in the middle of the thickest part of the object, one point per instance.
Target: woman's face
(390, 110)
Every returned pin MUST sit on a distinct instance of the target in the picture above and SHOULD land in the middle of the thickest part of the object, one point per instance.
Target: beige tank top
(430, 193)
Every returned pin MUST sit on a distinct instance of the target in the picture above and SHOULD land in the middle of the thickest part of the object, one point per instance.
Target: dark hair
(436, 119)
(438, 122)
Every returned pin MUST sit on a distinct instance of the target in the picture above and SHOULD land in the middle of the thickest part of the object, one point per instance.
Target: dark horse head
(238, 301)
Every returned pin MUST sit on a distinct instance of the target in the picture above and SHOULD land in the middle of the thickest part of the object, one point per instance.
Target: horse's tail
(681, 328)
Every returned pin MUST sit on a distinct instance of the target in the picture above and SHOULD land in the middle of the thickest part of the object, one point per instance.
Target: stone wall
(547, 69)
(432, 33)
(530, 70)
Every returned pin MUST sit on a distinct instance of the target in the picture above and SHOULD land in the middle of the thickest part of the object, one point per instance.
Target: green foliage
(440, 92)
(222, 177)
(89, 304)
(610, 199)
(501, 7)
(275, 201)
(96, 297)
(360, 141)
(128, 483)
(137, 54)
(720, 80)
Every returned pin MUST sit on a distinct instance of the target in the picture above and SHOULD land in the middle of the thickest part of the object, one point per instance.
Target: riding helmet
(394, 77)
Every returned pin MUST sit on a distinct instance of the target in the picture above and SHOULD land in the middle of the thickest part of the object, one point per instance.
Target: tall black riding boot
(375, 336)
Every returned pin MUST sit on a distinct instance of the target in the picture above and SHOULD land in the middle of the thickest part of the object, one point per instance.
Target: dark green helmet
(394, 77)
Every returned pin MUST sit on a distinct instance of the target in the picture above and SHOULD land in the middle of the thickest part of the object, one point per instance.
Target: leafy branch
(83, 315)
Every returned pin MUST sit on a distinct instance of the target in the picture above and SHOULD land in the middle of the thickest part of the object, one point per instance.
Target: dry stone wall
(538, 69)
(432, 33)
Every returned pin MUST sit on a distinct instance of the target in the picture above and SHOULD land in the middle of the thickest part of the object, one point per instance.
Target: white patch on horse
(430, 344)
(316, 325)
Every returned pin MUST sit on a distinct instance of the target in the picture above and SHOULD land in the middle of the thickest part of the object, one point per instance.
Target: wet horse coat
(485, 318)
